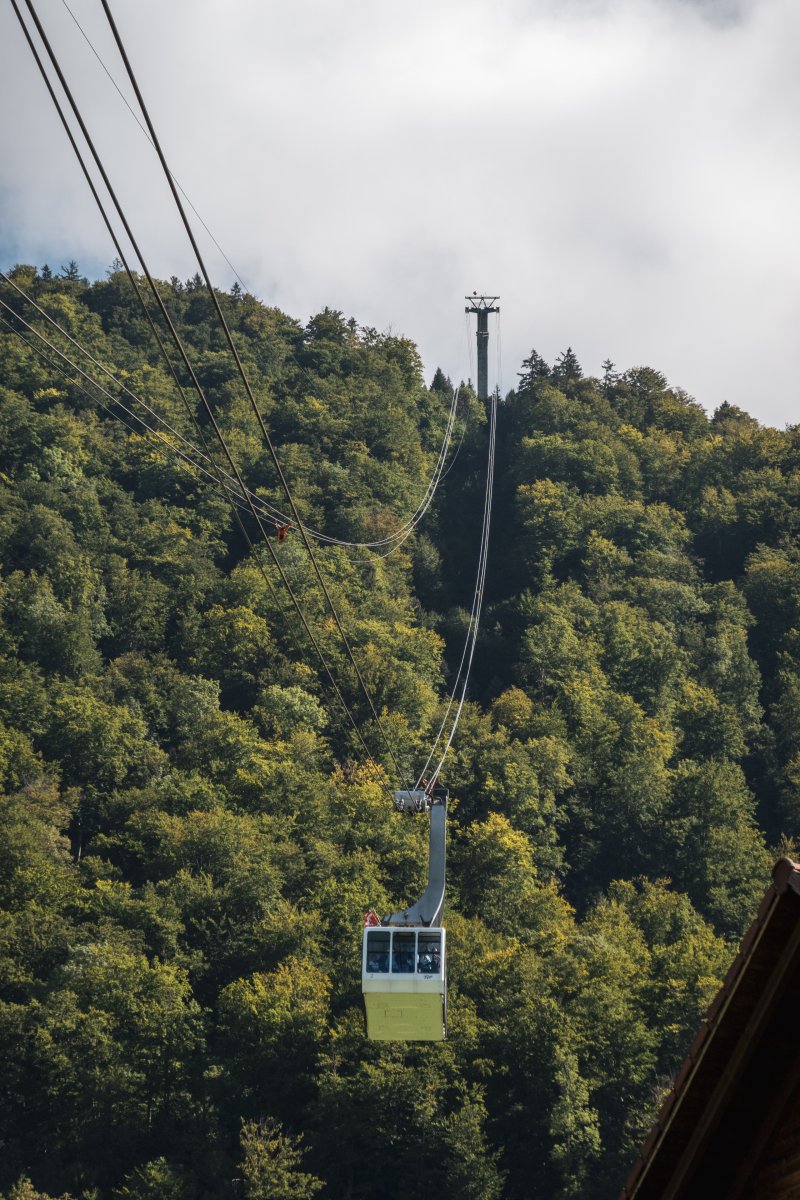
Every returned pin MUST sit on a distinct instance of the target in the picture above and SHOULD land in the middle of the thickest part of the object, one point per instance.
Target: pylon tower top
(482, 303)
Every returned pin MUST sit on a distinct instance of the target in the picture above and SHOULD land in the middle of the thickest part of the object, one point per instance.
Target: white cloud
(624, 174)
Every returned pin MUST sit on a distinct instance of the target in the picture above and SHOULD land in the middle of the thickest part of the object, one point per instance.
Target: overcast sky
(624, 174)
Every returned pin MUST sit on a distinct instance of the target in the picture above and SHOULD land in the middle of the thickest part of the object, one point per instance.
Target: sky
(623, 174)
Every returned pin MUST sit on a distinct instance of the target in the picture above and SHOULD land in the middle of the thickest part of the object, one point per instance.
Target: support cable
(109, 227)
(249, 390)
(137, 423)
(112, 232)
(179, 345)
(467, 655)
(407, 528)
(234, 497)
(124, 99)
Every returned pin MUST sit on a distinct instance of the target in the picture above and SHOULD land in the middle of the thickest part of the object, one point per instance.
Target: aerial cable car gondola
(403, 960)
(403, 956)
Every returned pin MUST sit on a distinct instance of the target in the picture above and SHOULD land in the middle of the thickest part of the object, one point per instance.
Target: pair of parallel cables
(463, 672)
(241, 491)
(395, 539)
(188, 365)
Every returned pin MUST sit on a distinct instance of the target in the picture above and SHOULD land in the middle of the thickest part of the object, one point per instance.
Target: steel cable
(248, 389)
(124, 99)
(467, 654)
(179, 345)
(398, 536)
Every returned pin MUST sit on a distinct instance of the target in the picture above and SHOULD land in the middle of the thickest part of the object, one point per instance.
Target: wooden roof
(730, 1127)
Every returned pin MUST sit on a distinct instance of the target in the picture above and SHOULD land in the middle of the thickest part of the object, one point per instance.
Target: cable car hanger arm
(428, 909)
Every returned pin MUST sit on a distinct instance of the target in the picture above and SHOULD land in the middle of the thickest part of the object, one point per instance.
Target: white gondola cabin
(404, 981)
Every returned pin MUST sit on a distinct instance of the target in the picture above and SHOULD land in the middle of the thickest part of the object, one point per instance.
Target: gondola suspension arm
(428, 909)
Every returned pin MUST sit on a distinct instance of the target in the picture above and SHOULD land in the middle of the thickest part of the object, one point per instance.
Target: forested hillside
(191, 834)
